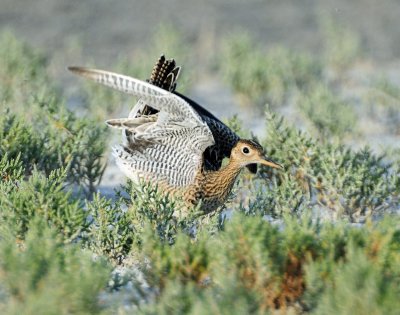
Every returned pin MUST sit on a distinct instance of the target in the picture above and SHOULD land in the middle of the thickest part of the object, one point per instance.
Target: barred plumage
(170, 140)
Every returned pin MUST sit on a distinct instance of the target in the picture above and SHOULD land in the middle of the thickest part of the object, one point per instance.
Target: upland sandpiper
(173, 142)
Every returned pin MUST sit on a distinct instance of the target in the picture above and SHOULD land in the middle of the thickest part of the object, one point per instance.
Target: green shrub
(329, 116)
(383, 99)
(22, 73)
(76, 144)
(43, 276)
(365, 278)
(35, 124)
(330, 178)
(342, 47)
(265, 77)
(253, 267)
(164, 214)
(117, 227)
(110, 233)
(22, 201)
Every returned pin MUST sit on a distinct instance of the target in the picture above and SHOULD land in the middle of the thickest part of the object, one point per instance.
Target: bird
(174, 143)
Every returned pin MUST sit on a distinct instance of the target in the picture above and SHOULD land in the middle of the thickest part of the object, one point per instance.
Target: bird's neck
(222, 181)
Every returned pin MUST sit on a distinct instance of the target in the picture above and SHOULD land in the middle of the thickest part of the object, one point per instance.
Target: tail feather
(164, 75)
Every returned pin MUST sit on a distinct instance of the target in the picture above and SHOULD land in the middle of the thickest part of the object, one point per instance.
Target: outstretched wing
(167, 147)
(159, 99)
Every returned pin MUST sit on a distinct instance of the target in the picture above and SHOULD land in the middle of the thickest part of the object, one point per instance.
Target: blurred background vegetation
(317, 83)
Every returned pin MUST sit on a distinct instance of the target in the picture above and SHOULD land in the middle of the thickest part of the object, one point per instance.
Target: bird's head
(247, 152)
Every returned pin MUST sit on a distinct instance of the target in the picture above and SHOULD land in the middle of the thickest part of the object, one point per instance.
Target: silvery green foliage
(36, 125)
(43, 274)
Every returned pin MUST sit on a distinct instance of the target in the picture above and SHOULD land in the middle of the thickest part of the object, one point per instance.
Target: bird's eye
(246, 150)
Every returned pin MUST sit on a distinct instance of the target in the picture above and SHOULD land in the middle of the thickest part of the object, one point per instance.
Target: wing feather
(164, 147)
(156, 97)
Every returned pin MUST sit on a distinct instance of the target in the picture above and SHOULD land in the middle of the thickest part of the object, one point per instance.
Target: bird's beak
(268, 162)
